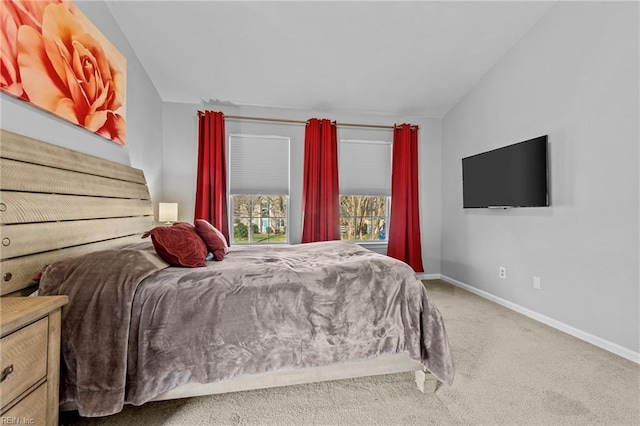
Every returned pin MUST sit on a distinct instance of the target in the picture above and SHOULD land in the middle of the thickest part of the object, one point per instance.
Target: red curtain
(211, 189)
(320, 193)
(404, 229)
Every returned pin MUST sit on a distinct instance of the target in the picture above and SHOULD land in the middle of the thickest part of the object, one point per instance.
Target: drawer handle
(6, 372)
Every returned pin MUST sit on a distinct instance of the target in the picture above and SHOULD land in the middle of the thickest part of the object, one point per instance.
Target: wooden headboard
(57, 203)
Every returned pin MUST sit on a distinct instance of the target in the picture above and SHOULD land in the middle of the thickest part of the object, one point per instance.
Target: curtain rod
(285, 120)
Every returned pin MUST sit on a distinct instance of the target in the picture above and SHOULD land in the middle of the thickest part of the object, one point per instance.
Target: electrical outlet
(503, 272)
(536, 283)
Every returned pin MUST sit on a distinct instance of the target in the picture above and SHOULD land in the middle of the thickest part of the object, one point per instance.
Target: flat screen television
(512, 176)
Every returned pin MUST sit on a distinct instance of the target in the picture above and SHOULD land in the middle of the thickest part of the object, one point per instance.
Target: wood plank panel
(23, 239)
(33, 407)
(22, 148)
(77, 196)
(20, 176)
(53, 367)
(26, 351)
(27, 207)
(15, 312)
(21, 269)
(383, 364)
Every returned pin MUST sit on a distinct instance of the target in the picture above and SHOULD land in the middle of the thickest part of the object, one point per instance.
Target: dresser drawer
(25, 353)
(30, 410)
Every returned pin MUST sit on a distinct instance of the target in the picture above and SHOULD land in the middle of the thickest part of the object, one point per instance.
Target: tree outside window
(363, 217)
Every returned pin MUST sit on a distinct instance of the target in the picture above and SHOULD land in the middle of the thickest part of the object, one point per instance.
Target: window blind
(364, 167)
(258, 165)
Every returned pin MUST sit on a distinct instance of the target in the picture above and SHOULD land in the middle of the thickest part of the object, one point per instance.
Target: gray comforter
(266, 308)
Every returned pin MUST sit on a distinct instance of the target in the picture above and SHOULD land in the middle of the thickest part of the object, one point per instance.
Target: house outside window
(259, 219)
(365, 189)
(259, 189)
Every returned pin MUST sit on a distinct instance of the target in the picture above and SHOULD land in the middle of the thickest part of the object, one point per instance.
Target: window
(259, 188)
(363, 217)
(259, 219)
(365, 187)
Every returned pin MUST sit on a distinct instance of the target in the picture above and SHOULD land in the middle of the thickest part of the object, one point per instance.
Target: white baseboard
(423, 276)
(590, 338)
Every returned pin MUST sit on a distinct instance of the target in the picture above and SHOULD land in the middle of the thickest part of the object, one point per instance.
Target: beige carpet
(510, 370)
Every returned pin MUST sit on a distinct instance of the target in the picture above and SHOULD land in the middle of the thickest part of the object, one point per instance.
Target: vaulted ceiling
(416, 58)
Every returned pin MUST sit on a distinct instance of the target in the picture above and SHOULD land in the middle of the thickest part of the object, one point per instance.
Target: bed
(268, 316)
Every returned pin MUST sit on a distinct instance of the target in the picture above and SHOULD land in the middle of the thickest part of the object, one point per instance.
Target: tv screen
(513, 176)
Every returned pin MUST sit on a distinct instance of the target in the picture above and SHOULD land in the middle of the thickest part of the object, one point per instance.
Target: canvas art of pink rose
(14, 14)
(60, 66)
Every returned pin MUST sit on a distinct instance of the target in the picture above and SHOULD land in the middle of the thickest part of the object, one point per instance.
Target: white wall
(180, 139)
(144, 113)
(574, 76)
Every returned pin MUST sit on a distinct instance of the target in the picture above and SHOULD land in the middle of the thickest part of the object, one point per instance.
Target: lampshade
(168, 212)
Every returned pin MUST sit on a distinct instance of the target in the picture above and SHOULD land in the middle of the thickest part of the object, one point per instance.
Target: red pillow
(179, 245)
(213, 238)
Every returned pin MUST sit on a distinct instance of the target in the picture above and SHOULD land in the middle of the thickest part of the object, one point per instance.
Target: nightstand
(30, 359)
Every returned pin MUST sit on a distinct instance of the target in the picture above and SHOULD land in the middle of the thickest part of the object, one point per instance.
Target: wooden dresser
(30, 359)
